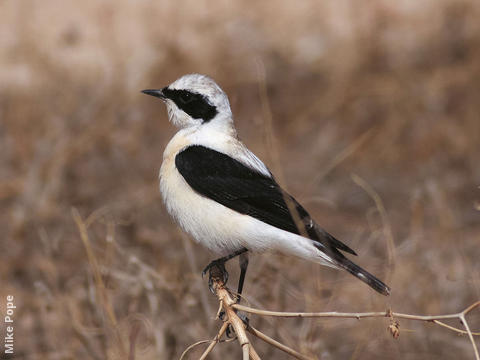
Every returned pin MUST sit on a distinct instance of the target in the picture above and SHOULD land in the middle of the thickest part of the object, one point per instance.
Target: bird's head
(195, 100)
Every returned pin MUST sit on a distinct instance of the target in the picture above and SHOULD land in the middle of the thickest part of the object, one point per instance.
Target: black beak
(156, 93)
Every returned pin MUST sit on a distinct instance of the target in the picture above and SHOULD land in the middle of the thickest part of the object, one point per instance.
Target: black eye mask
(194, 104)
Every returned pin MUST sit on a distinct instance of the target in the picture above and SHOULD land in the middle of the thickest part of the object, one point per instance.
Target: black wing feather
(240, 188)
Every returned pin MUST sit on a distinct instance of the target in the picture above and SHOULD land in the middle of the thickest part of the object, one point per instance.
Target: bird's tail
(338, 260)
(364, 275)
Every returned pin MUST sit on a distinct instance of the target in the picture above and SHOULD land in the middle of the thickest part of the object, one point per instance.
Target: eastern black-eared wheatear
(221, 194)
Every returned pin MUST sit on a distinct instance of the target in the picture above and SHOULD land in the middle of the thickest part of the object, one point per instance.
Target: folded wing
(247, 191)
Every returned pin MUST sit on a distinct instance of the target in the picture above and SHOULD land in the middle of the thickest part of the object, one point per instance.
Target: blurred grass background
(326, 92)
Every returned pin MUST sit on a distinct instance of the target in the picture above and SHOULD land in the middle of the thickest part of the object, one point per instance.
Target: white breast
(208, 222)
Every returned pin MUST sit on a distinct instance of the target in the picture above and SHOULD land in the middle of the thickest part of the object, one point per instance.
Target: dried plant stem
(388, 313)
(470, 335)
(248, 352)
(210, 347)
(253, 353)
(387, 229)
(99, 284)
(335, 314)
(212, 343)
(232, 318)
(277, 344)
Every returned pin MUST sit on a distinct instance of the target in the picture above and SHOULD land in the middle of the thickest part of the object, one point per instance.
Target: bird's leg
(243, 260)
(216, 269)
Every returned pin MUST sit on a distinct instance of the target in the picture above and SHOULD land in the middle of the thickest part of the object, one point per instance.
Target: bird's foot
(230, 332)
(216, 273)
(244, 318)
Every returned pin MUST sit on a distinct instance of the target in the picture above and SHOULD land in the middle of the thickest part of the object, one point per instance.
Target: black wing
(240, 188)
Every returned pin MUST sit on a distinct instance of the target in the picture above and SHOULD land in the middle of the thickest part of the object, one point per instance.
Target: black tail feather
(341, 261)
(332, 241)
(365, 276)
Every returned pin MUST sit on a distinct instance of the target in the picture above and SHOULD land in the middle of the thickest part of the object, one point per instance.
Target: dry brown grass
(381, 91)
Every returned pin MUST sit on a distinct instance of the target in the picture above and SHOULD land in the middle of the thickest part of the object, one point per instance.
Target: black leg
(243, 260)
(217, 268)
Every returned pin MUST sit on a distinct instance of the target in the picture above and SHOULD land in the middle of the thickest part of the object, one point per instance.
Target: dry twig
(231, 318)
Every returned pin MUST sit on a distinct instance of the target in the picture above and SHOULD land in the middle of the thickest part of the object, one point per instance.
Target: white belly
(209, 223)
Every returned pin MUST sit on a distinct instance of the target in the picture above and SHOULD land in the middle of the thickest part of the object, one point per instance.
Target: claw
(230, 332)
(216, 270)
(244, 318)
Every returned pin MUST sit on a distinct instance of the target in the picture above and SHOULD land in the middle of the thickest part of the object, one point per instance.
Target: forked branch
(230, 308)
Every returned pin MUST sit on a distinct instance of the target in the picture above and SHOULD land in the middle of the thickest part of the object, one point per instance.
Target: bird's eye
(186, 97)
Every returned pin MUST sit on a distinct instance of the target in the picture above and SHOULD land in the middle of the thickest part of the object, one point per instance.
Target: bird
(225, 197)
